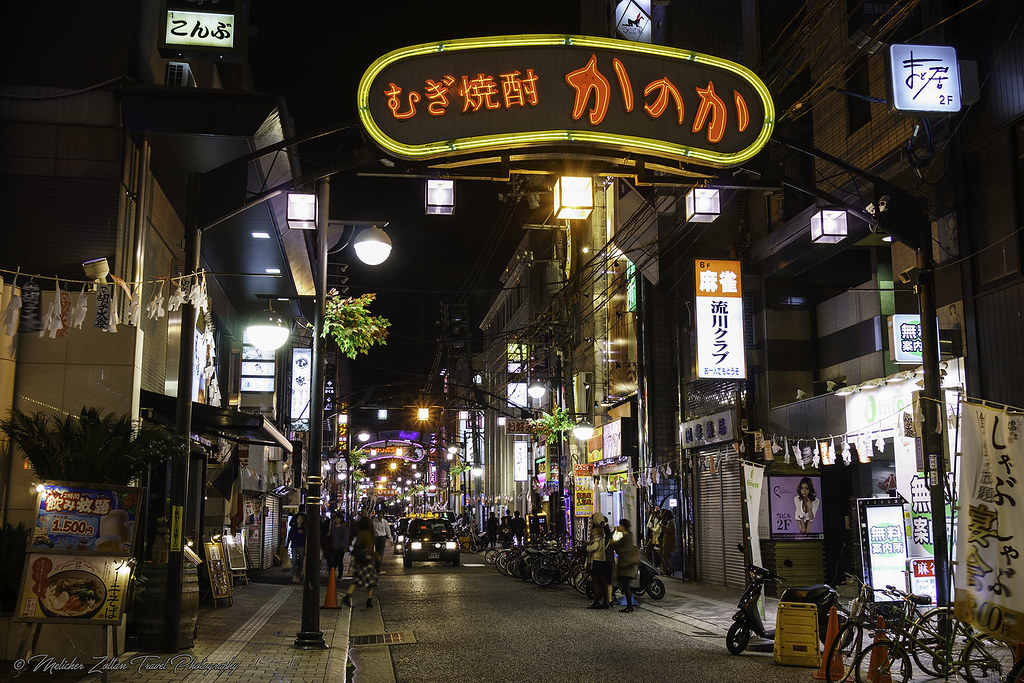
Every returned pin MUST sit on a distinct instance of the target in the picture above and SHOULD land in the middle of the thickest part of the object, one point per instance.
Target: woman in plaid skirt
(364, 555)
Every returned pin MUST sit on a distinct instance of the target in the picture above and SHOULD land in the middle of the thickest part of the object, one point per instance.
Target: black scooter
(748, 619)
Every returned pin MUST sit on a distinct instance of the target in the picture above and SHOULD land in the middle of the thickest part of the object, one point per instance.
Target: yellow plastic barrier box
(796, 635)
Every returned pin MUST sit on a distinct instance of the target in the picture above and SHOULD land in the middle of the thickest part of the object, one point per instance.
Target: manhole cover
(379, 639)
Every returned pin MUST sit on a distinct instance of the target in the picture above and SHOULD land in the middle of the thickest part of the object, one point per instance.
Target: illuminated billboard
(472, 96)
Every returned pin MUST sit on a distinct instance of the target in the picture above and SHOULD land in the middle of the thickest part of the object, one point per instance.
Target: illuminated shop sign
(485, 94)
(708, 430)
(633, 20)
(200, 29)
(719, 304)
(520, 460)
(924, 79)
(883, 540)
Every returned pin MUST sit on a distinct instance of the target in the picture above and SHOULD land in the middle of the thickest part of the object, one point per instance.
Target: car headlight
(416, 545)
(450, 545)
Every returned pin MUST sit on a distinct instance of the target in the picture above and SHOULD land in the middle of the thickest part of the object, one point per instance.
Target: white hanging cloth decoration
(52, 323)
(80, 310)
(177, 298)
(10, 321)
(776, 448)
(880, 445)
(847, 456)
(155, 309)
(798, 455)
(135, 306)
(114, 319)
(197, 294)
(816, 460)
(785, 443)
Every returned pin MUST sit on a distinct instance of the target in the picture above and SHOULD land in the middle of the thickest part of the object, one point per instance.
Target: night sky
(313, 53)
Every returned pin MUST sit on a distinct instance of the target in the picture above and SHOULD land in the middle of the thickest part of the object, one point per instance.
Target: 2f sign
(924, 79)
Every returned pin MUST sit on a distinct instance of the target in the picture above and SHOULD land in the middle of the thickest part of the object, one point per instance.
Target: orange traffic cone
(833, 669)
(878, 656)
(331, 601)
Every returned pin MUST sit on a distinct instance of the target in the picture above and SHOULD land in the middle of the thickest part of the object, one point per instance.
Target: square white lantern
(301, 213)
(441, 197)
(423, 413)
(574, 197)
(703, 205)
(828, 226)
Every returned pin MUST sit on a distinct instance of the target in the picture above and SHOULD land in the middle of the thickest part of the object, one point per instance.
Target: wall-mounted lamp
(373, 246)
(267, 330)
(301, 211)
(583, 430)
(703, 204)
(574, 197)
(423, 414)
(441, 197)
(363, 436)
(382, 414)
(828, 226)
(96, 270)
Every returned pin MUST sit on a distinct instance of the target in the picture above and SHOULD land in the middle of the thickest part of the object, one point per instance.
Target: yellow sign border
(659, 148)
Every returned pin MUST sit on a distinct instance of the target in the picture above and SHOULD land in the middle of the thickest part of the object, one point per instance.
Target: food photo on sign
(72, 589)
(795, 507)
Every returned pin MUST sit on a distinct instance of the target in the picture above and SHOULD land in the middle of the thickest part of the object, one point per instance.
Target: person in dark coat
(517, 526)
(492, 530)
(364, 558)
(628, 566)
(297, 544)
(339, 542)
(668, 541)
(600, 555)
(505, 532)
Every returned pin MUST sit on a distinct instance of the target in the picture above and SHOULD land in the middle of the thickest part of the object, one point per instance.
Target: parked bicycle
(939, 643)
(862, 618)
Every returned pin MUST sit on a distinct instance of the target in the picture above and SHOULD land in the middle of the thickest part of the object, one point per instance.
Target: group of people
(661, 538)
(510, 530)
(607, 548)
(363, 537)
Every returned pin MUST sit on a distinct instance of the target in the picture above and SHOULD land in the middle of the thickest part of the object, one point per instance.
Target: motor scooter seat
(807, 594)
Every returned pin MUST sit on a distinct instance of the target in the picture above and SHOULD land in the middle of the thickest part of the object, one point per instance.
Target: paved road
(473, 624)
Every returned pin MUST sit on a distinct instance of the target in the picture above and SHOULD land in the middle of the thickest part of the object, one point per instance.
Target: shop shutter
(271, 530)
(719, 512)
(709, 521)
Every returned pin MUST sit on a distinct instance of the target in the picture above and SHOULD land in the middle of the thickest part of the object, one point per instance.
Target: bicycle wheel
(543, 571)
(490, 555)
(883, 659)
(945, 638)
(580, 580)
(986, 660)
(847, 645)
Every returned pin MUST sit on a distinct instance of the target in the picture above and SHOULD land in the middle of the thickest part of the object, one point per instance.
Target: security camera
(96, 270)
(909, 275)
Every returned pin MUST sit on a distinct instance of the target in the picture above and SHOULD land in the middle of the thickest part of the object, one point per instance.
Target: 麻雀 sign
(719, 304)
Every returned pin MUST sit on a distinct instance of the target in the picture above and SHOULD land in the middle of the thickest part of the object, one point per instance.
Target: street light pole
(310, 637)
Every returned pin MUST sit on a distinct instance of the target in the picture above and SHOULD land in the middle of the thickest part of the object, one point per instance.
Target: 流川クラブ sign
(471, 96)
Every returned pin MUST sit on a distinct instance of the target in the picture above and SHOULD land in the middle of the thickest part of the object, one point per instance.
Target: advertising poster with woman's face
(795, 506)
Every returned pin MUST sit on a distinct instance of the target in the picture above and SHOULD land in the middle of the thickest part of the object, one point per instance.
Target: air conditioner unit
(179, 75)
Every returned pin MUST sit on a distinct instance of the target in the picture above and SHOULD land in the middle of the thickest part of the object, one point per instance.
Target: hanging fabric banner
(104, 304)
(989, 588)
(30, 302)
(753, 480)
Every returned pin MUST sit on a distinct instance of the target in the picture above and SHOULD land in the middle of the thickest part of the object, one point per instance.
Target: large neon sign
(477, 95)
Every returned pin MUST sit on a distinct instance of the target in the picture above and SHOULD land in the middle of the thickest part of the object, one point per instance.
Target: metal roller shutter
(732, 520)
(271, 530)
(719, 513)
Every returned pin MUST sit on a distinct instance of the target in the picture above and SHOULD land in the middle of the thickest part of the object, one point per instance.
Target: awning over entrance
(221, 422)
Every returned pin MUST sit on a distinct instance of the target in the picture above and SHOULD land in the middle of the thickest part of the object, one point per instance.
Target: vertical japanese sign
(520, 460)
(924, 79)
(753, 483)
(989, 588)
(583, 476)
(719, 304)
(883, 542)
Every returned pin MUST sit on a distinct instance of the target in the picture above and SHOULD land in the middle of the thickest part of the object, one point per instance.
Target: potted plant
(348, 321)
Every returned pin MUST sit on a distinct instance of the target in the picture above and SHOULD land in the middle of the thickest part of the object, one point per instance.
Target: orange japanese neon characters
(450, 98)
(710, 102)
(583, 81)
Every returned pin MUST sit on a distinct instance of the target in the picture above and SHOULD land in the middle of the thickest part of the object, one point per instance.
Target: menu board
(73, 589)
(235, 552)
(217, 570)
(86, 518)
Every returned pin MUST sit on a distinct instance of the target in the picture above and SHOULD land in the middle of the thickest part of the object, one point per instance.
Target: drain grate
(378, 639)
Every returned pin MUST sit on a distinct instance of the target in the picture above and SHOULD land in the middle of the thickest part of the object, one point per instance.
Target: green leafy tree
(560, 420)
(348, 321)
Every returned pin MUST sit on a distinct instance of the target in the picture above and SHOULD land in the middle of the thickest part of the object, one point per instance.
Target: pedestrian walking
(653, 545)
(600, 555)
(492, 530)
(627, 568)
(505, 532)
(381, 535)
(668, 541)
(517, 526)
(339, 542)
(364, 555)
(297, 544)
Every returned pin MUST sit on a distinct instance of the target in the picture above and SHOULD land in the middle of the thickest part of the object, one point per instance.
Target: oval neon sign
(480, 95)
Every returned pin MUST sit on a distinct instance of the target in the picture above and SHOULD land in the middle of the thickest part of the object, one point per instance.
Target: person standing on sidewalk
(297, 544)
(668, 541)
(518, 527)
(364, 558)
(628, 566)
(339, 542)
(653, 544)
(600, 561)
(492, 530)
(381, 534)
